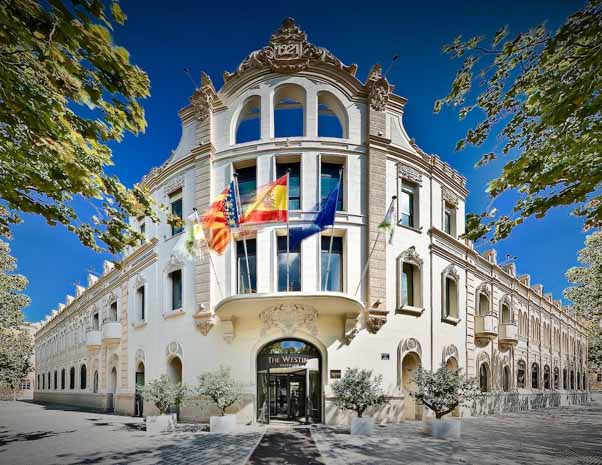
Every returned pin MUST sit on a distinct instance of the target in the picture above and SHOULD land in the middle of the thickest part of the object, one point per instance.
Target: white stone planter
(363, 426)
(161, 423)
(222, 424)
(444, 428)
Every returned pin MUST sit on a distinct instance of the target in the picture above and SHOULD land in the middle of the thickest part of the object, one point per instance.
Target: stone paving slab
(33, 434)
(286, 445)
(567, 436)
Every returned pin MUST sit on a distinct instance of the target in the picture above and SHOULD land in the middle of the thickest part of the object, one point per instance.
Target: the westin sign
(284, 360)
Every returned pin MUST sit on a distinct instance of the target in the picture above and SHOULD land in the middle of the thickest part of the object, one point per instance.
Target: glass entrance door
(287, 396)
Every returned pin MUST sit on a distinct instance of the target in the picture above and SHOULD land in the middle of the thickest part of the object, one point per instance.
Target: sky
(164, 37)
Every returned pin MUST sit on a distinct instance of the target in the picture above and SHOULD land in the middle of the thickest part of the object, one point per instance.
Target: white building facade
(425, 298)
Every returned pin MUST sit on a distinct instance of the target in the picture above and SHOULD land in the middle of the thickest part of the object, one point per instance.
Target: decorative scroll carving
(449, 196)
(351, 327)
(411, 256)
(174, 263)
(450, 351)
(289, 317)
(289, 52)
(375, 321)
(204, 320)
(409, 173)
(139, 356)
(173, 185)
(173, 348)
(482, 357)
(452, 272)
(483, 288)
(411, 345)
(139, 281)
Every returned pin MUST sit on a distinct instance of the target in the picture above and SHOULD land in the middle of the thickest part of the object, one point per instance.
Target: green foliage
(66, 92)
(541, 90)
(586, 293)
(357, 390)
(444, 390)
(220, 387)
(15, 352)
(163, 392)
(12, 301)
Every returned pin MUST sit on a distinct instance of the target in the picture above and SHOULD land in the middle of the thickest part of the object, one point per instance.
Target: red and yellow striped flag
(270, 205)
(215, 227)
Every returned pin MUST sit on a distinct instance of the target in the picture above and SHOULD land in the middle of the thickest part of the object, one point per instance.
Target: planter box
(161, 423)
(362, 426)
(222, 424)
(444, 428)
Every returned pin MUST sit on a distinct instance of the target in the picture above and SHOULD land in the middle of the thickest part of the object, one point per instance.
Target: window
(95, 323)
(450, 295)
(175, 279)
(578, 380)
(332, 117)
(56, 384)
(247, 185)
(25, 384)
(483, 304)
(332, 278)
(506, 314)
(449, 219)
(142, 226)
(175, 200)
(556, 378)
(95, 385)
(520, 374)
(564, 379)
(599, 377)
(82, 377)
(289, 118)
(113, 312)
(506, 379)
(572, 379)
(63, 378)
(546, 377)
(294, 183)
(535, 376)
(141, 303)
(484, 377)
(293, 258)
(72, 378)
(407, 204)
(246, 276)
(407, 284)
(48, 380)
(329, 178)
(43, 381)
(248, 124)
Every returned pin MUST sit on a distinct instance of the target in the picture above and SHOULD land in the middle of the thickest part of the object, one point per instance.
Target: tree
(444, 390)
(357, 390)
(220, 387)
(586, 293)
(66, 91)
(541, 90)
(15, 359)
(163, 392)
(12, 301)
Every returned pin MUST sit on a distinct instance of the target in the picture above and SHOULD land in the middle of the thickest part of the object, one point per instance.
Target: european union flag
(231, 207)
(324, 219)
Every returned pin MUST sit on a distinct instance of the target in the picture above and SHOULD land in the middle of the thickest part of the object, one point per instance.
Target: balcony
(93, 338)
(486, 327)
(508, 334)
(111, 331)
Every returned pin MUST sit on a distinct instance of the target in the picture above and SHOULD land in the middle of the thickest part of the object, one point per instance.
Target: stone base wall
(86, 400)
(494, 403)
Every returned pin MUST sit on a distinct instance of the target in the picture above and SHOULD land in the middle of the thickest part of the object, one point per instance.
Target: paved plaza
(32, 434)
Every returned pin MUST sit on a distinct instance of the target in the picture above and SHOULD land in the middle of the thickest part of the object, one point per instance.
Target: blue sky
(166, 37)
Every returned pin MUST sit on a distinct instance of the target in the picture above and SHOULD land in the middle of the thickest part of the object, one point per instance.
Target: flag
(324, 219)
(217, 221)
(387, 225)
(270, 205)
(188, 247)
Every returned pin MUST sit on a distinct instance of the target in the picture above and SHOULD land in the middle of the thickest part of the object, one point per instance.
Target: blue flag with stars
(231, 207)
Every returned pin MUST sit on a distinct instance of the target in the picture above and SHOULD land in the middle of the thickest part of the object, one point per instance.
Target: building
(428, 298)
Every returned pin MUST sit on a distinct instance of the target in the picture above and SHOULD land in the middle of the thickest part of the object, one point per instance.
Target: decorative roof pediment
(288, 52)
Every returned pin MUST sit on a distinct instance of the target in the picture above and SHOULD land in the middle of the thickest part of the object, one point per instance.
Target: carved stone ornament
(409, 173)
(482, 357)
(483, 288)
(204, 320)
(411, 345)
(449, 196)
(411, 256)
(139, 281)
(375, 322)
(174, 348)
(450, 351)
(139, 356)
(174, 263)
(173, 185)
(452, 272)
(379, 94)
(289, 317)
(351, 327)
(289, 52)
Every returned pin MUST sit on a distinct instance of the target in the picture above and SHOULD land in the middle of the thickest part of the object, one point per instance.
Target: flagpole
(332, 230)
(288, 237)
(219, 286)
(372, 251)
(244, 236)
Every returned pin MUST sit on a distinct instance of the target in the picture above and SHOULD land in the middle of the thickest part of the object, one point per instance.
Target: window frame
(452, 316)
(411, 258)
(172, 285)
(282, 238)
(240, 265)
(412, 189)
(338, 236)
(286, 160)
(176, 197)
(322, 196)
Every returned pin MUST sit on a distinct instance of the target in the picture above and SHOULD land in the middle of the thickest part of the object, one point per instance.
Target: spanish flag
(215, 225)
(270, 205)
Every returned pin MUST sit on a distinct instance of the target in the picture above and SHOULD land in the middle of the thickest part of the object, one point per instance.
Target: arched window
(56, 384)
(521, 372)
(564, 379)
(95, 322)
(450, 292)
(556, 378)
(43, 381)
(584, 382)
(113, 312)
(506, 379)
(82, 377)
(535, 376)
(572, 380)
(72, 378)
(409, 269)
(63, 378)
(484, 307)
(578, 381)
(506, 313)
(289, 111)
(332, 116)
(484, 377)
(248, 123)
(95, 385)
(546, 377)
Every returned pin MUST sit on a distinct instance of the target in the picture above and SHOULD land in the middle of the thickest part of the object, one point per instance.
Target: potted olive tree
(443, 391)
(162, 392)
(224, 391)
(357, 390)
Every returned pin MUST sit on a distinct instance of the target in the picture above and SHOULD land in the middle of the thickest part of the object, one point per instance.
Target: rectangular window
(176, 289)
(175, 200)
(142, 226)
(449, 219)
(241, 263)
(294, 183)
(406, 205)
(113, 312)
(329, 178)
(247, 184)
(140, 296)
(294, 266)
(334, 281)
(407, 284)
